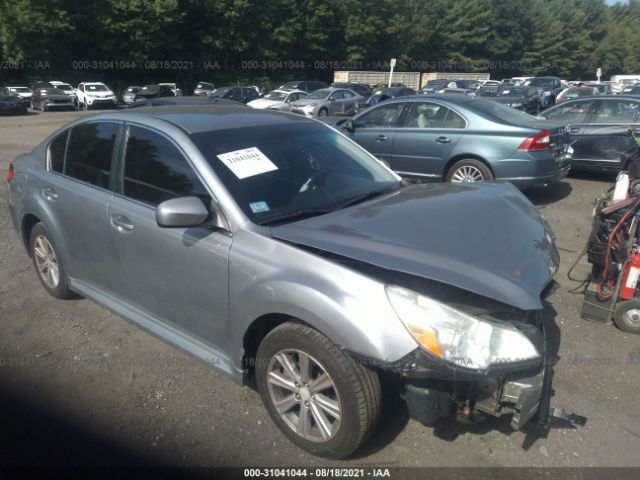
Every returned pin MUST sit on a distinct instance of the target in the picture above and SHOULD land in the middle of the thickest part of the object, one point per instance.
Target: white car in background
(174, 88)
(278, 100)
(95, 94)
(25, 93)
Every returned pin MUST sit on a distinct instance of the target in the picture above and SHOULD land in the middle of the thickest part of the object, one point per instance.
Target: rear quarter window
(57, 149)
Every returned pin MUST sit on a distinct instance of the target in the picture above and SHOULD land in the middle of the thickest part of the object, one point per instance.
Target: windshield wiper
(297, 215)
(366, 196)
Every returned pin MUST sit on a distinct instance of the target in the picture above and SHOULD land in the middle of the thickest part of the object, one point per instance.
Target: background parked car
(328, 101)
(25, 94)
(632, 90)
(304, 85)
(384, 94)
(129, 95)
(432, 86)
(11, 104)
(599, 129)
(174, 88)
(604, 88)
(190, 101)
(487, 91)
(462, 138)
(520, 97)
(154, 91)
(278, 100)
(95, 94)
(236, 93)
(360, 88)
(461, 91)
(66, 88)
(203, 89)
(51, 98)
(576, 92)
(549, 88)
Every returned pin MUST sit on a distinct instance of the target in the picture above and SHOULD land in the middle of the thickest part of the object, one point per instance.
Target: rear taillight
(11, 173)
(540, 141)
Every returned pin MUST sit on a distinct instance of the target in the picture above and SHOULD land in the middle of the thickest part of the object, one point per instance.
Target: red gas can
(630, 279)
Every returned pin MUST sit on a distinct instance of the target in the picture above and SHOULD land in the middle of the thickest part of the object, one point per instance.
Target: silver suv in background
(280, 252)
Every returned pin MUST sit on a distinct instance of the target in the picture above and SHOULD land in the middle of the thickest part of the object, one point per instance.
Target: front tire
(469, 170)
(319, 396)
(47, 263)
(323, 112)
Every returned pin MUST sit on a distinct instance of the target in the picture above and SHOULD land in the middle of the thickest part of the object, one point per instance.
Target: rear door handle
(574, 130)
(121, 223)
(382, 138)
(443, 140)
(50, 194)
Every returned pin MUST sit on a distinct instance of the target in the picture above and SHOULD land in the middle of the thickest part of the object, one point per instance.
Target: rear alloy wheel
(469, 170)
(47, 263)
(319, 396)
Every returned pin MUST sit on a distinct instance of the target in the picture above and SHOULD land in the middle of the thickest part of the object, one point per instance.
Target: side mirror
(181, 212)
(349, 125)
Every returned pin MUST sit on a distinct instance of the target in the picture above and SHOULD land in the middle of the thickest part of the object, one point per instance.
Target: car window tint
(432, 115)
(382, 116)
(155, 170)
(616, 111)
(570, 113)
(347, 94)
(57, 149)
(89, 152)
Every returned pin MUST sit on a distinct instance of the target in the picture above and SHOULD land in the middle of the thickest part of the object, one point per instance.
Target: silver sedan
(328, 101)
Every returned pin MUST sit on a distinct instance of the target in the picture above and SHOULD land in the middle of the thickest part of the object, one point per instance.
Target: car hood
(484, 238)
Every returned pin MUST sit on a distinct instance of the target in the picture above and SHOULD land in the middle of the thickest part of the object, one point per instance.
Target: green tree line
(263, 40)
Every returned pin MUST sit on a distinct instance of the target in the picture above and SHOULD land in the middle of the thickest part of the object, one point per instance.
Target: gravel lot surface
(80, 385)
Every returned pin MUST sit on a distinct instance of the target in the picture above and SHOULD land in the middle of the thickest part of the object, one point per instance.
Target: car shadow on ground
(542, 196)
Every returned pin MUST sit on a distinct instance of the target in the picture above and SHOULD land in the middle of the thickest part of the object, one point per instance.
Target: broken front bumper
(435, 389)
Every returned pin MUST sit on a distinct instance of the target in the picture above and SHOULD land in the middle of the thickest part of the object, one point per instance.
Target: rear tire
(347, 389)
(469, 170)
(47, 263)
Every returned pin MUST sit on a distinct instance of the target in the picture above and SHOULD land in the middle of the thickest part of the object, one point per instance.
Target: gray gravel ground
(79, 385)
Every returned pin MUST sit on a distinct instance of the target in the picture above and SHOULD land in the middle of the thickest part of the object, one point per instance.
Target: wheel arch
(463, 156)
(26, 225)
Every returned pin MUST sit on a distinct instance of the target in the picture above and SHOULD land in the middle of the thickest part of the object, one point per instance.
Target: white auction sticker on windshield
(247, 162)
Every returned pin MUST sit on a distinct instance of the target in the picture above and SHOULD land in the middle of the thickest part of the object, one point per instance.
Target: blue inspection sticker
(259, 207)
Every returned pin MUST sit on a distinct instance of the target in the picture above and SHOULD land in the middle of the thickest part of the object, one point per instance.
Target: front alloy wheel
(318, 395)
(304, 395)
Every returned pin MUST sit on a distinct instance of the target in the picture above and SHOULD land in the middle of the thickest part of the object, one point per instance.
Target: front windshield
(319, 94)
(301, 167)
(276, 96)
(541, 82)
(221, 92)
(97, 88)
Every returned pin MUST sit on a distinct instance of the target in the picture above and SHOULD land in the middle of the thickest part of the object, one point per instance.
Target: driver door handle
(443, 140)
(121, 223)
(574, 130)
(382, 138)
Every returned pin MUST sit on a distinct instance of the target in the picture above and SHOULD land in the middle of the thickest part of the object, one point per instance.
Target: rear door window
(155, 170)
(575, 112)
(90, 152)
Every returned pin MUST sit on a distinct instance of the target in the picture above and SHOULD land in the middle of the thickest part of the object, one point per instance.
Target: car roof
(195, 119)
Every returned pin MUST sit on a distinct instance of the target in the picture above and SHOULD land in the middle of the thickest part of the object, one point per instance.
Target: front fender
(348, 307)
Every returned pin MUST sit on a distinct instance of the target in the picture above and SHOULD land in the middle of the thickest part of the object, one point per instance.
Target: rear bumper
(539, 180)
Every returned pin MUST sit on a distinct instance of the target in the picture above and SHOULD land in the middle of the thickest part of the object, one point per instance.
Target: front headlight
(310, 105)
(516, 104)
(456, 336)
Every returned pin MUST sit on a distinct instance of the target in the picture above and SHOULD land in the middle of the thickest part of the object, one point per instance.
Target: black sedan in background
(11, 104)
(599, 129)
(384, 94)
(51, 98)
(236, 93)
(526, 99)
